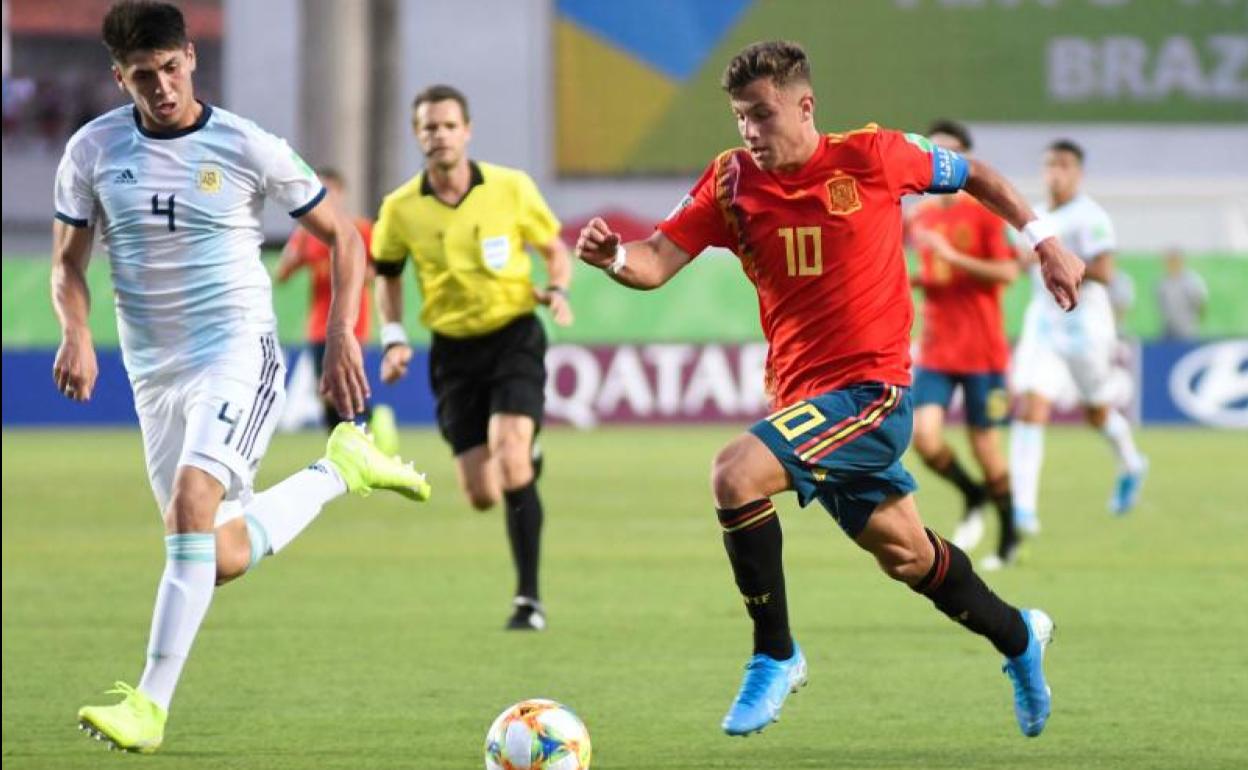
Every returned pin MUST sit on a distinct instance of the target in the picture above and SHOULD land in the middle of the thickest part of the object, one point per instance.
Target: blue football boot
(1127, 490)
(1032, 697)
(767, 683)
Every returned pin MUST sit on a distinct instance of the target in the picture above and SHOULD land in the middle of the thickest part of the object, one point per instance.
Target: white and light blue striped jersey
(1085, 229)
(1087, 232)
(179, 214)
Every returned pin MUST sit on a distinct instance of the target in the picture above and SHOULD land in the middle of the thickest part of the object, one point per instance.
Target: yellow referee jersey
(471, 264)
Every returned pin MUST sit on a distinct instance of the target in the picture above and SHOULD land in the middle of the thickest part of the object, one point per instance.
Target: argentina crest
(208, 179)
(843, 194)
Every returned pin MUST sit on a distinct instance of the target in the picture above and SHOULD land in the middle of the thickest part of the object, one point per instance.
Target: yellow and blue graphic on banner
(638, 80)
(620, 68)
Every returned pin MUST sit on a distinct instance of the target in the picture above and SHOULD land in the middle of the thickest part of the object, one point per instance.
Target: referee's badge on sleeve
(496, 251)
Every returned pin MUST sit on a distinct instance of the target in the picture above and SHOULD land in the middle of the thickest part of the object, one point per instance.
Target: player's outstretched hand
(75, 367)
(394, 363)
(1062, 272)
(344, 383)
(597, 243)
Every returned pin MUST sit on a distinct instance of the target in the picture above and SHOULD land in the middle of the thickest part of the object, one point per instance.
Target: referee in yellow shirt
(466, 225)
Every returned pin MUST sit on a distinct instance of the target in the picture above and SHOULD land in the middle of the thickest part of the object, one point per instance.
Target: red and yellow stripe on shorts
(814, 449)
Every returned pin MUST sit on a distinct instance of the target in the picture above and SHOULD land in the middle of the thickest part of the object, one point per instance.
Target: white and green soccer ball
(537, 734)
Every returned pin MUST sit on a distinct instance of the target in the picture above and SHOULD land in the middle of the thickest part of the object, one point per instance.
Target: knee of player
(730, 481)
(481, 499)
(927, 444)
(1096, 415)
(193, 505)
(516, 470)
(510, 446)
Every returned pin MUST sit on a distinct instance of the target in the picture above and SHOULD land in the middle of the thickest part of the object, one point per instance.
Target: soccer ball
(537, 735)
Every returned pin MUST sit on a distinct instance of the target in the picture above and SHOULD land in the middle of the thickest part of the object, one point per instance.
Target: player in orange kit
(966, 262)
(816, 222)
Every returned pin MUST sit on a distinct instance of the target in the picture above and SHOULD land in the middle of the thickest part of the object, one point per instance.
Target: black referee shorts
(473, 378)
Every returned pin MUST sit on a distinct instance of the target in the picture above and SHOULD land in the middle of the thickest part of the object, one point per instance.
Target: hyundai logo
(1210, 384)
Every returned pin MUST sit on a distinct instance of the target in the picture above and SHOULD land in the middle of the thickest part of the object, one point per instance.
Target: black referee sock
(524, 530)
(754, 543)
(946, 464)
(957, 591)
(1003, 501)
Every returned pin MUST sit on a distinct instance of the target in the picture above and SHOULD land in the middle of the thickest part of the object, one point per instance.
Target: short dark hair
(781, 61)
(951, 128)
(442, 93)
(1067, 145)
(142, 25)
(332, 174)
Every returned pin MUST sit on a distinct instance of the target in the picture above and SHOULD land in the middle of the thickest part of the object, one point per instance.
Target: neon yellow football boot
(135, 724)
(384, 430)
(365, 467)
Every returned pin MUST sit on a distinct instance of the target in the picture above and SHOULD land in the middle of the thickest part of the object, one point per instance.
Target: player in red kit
(816, 223)
(966, 264)
(304, 251)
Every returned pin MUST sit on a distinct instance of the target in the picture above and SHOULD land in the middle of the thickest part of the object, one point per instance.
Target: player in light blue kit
(1058, 348)
(176, 188)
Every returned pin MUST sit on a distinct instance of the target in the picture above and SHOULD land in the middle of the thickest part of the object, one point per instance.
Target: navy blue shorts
(844, 447)
(987, 401)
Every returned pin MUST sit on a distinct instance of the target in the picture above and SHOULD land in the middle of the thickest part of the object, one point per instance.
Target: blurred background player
(466, 226)
(1181, 297)
(816, 222)
(177, 186)
(306, 251)
(1058, 347)
(967, 261)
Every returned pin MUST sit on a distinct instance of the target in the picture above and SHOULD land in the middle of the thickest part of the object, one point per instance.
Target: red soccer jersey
(314, 255)
(963, 328)
(823, 247)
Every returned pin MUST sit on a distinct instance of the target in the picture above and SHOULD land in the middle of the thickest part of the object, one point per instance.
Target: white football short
(1058, 351)
(218, 418)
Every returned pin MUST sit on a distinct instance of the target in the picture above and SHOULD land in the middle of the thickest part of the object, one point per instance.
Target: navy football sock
(754, 542)
(957, 591)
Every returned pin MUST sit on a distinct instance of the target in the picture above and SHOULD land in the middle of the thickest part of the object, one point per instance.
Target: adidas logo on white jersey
(126, 177)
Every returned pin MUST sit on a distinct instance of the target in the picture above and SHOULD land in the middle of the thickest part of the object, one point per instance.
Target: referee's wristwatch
(556, 289)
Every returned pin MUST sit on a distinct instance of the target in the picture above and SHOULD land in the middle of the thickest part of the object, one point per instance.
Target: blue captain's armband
(949, 171)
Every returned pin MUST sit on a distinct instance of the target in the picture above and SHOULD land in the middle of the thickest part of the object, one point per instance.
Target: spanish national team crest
(843, 194)
(209, 179)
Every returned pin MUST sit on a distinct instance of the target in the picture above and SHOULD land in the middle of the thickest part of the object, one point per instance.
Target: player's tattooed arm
(75, 368)
(641, 265)
(1062, 271)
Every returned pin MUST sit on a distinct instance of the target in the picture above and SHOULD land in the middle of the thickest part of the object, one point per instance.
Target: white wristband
(1038, 230)
(621, 259)
(393, 333)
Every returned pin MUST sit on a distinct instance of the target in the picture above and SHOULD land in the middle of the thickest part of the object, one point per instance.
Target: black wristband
(552, 289)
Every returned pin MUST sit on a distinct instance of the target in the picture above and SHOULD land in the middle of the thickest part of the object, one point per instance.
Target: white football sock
(277, 515)
(1118, 432)
(1026, 458)
(181, 602)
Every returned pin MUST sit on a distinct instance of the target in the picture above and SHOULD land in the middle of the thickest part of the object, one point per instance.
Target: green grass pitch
(375, 640)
